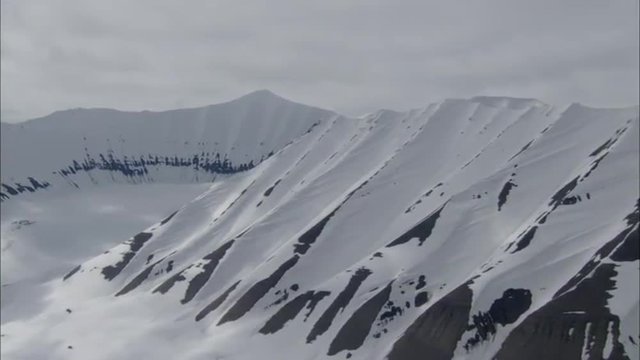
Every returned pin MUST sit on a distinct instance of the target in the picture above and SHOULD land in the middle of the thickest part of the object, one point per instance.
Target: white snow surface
(377, 176)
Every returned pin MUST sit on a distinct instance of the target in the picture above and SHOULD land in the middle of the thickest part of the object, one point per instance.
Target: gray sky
(350, 56)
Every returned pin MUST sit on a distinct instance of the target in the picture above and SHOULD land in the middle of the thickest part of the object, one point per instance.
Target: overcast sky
(350, 56)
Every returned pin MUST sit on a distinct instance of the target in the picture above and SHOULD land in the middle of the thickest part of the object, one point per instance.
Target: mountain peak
(265, 98)
(505, 101)
(261, 95)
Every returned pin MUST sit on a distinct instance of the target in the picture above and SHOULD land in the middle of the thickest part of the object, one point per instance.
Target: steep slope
(466, 229)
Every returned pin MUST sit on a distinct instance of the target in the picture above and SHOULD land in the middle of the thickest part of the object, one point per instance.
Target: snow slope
(472, 228)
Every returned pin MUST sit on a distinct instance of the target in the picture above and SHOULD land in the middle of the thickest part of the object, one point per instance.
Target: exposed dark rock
(73, 271)
(270, 190)
(504, 193)
(339, 303)
(558, 329)
(166, 220)
(291, 309)
(257, 291)
(524, 148)
(10, 190)
(281, 299)
(421, 299)
(594, 165)
(559, 196)
(217, 302)
(168, 284)
(607, 144)
(319, 295)
(422, 231)
(354, 332)
(436, 332)
(525, 239)
(309, 237)
(629, 249)
(198, 281)
(503, 311)
(628, 238)
(621, 243)
(571, 200)
(135, 244)
(141, 277)
(244, 191)
(391, 313)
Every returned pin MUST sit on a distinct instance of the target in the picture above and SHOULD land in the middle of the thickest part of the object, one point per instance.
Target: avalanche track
(483, 228)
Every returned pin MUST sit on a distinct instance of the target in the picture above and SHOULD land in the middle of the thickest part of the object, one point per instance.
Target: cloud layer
(351, 56)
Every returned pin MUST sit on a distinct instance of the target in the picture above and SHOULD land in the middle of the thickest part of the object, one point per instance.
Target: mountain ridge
(263, 94)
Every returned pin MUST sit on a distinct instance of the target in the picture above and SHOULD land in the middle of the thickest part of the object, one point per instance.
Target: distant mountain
(101, 145)
(482, 228)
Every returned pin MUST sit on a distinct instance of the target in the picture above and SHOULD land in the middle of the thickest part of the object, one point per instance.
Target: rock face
(436, 332)
(483, 228)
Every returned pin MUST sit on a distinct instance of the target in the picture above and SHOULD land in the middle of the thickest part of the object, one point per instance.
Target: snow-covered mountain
(189, 145)
(264, 229)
